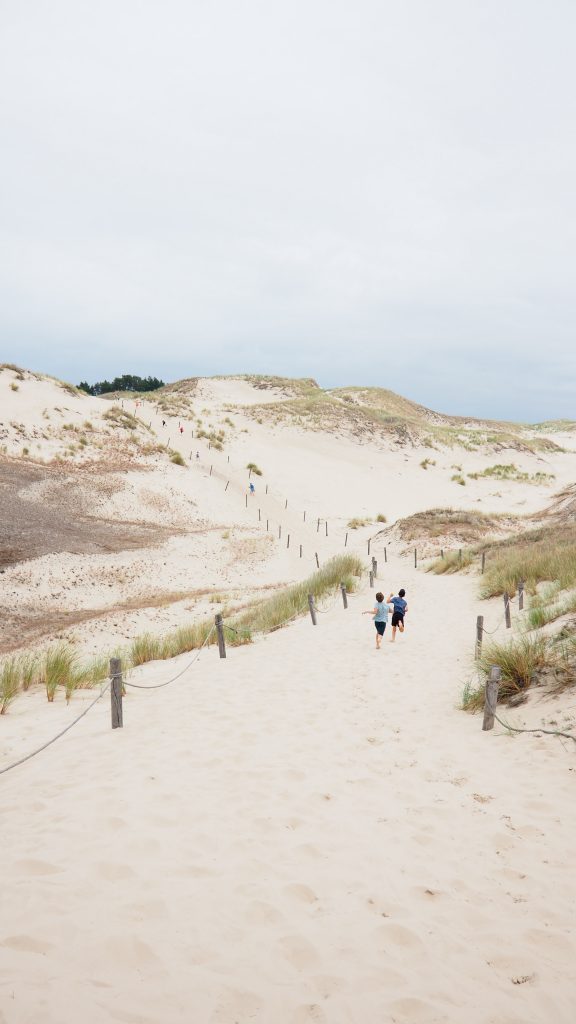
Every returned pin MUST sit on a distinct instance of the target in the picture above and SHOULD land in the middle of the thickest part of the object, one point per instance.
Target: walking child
(379, 615)
(400, 607)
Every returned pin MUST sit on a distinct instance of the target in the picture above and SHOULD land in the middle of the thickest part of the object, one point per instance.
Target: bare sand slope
(306, 832)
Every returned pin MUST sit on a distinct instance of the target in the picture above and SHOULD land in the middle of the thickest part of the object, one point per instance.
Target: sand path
(308, 831)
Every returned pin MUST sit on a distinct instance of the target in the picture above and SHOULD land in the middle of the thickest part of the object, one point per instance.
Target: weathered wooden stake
(266, 488)
(304, 515)
(459, 554)
(371, 575)
(507, 609)
(318, 527)
(312, 609)
(286, 503)
(343, 592)
(491, 700)
(210, 471)
(479, 633)
(267, 525)
(368, 545)
(259, 516)
(374, 567)
(288, 541)
(116, 693)
(346, 541)
(208, 445)
(441, 552)
(415, 558)
(483, 561)
(300, 551)
(249, 473)
(385, 555)
(227, 486)
(228, 458)
(279, 532)
(520, 595)
(220, 633)
(317, 562)
(326, 527)
(246, 499)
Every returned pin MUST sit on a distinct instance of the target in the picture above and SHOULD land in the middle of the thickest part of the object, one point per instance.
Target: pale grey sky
(365, 192)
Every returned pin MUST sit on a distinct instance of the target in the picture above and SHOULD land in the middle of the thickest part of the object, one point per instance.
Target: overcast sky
(363, 191)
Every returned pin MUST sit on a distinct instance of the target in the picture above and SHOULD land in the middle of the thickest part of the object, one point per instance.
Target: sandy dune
(309, 831)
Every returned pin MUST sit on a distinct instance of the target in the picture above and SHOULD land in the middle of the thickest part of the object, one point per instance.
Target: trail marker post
(317, 562)
(479, 632)
(312, 608)
(343, 592)
(300, 551)
(491, 700)
(506, 596)
(374, 567)
(220, 634)
(371, 577)
(116, 693)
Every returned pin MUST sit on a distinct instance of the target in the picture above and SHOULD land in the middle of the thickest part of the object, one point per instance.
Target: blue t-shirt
(400, 605)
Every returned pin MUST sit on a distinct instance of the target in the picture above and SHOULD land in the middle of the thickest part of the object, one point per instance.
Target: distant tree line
(127, 382)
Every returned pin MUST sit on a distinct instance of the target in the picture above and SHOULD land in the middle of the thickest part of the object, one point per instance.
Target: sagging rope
(58, 735)
(158, 686)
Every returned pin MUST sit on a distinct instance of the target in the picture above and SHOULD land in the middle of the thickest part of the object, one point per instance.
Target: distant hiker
(181, 430)
(163, 423)
(252, 489)
(197, 455)
(400, 609)
(379, 615)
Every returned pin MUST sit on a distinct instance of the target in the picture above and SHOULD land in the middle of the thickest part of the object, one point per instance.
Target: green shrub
(9, 682)
(177, 459)
(255, 469)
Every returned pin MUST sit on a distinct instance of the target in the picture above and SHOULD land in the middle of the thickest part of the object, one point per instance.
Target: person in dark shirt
(400, 609)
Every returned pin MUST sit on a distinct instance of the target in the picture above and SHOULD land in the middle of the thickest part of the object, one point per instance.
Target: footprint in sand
(112, 872)
(26, 944)
(298, 952)
(237, 1006)
(37, 867)
(309, 1014)
(301, 893)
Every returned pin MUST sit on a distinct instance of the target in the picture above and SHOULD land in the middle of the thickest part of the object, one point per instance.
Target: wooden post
(246, 498)
(459, 554)
(374, 567)
(286, 503)
(368, 545)
(266, 488)
(210, 474)
(317, 562)
(220, 632)
(249, 473)
(312, 609)
(441, 552)
(259, 516)
(267, 525)
(227, 486)
(228, 458)
(304, 517)
(479, 633)
(343, 592)
(492, 685)
(326, 527)
(520, 595)
(483, 562)
(415, 558)
(385, 555)
(288, 541)
(371, 574)
(116, 693)
(318, 527)
(300, 551)
(507, 609)
(346, 540)
(279, 532)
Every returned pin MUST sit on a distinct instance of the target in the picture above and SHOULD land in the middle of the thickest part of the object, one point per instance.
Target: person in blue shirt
(380, 616)
(252, 489)
(400, 608)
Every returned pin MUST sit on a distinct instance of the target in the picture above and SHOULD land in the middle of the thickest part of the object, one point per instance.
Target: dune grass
(545, 555)
(271, 613)
(452, 561)
(9, 682)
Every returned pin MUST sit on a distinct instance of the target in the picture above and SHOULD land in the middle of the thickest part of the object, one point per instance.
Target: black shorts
(397, 619)
(380, 627)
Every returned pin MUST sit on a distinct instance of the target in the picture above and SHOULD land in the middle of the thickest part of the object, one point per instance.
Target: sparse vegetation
(255, 469)
(427, 462)
(9, 682)
(357, 524)
(457, 478)
(177, 459)
(452, 561)
(59, 669)
(510, 471)
(14, 387)
(545, 555)
(381, 518)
